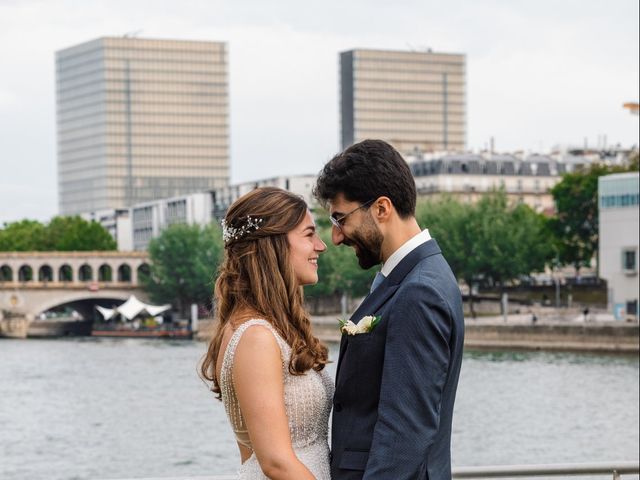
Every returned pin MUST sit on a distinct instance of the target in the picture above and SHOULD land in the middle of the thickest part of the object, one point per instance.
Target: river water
(115, 408)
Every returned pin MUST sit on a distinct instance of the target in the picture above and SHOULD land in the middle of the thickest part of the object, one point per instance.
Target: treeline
(60, 234)
(490, 242)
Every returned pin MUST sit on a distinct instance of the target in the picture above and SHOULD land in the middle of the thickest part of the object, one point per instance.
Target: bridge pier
(14, 327)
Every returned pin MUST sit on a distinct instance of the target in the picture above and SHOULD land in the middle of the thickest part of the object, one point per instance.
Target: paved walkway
(327, 329)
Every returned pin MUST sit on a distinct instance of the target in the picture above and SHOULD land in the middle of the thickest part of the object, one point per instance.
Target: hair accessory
(230, 233)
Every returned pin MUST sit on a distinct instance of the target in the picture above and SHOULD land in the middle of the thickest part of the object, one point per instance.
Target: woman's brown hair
(256, 276)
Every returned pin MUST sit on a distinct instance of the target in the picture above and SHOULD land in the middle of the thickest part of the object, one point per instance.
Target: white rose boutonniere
(365, 325)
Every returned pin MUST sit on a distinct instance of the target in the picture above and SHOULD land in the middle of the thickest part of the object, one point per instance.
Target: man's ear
(382, 209)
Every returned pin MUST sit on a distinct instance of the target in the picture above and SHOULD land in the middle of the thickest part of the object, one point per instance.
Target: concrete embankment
(603, 337)
(551, 335)
(492, 335)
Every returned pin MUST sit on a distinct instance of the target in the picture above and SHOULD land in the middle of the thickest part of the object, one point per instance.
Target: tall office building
(140, 119)
(413, 100)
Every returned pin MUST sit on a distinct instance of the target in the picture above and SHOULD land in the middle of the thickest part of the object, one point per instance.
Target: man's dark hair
(366, 171)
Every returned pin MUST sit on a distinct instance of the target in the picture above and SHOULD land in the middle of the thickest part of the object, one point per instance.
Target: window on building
(632, 307)
(629, 260)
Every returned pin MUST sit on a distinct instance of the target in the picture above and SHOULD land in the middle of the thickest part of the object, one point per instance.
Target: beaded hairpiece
(230, 233)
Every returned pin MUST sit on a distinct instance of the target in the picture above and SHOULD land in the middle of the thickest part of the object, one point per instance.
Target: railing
(502, 471)
(556, 470)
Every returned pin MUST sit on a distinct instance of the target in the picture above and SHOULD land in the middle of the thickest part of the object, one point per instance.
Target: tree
(184, 260)
(22, 236)
(489, 242)
(510, 241)
(61, 234)
(76, 234)
(576, 223)
(453, 224)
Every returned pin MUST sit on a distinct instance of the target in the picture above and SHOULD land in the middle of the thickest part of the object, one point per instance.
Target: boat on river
(130, 330)
(136, 319)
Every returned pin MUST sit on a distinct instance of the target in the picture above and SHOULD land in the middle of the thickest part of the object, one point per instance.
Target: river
(114, 408)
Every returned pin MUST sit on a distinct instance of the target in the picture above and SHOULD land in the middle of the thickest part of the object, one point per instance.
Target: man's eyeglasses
(339, 222)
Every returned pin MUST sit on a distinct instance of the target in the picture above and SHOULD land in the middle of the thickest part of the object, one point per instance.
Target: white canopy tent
(132, 308)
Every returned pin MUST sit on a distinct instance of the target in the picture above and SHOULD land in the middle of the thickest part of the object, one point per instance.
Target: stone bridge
(34, 282)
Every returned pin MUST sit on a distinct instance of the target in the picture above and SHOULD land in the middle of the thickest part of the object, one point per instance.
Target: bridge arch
(65, 273)
(124, 273)
(25, 273)
(144, 271)
(85, 273)
(6, 273)
(77, 297)
(45, 274)
(105, 273)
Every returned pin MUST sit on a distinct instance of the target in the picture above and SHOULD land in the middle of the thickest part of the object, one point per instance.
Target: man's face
(357, 230)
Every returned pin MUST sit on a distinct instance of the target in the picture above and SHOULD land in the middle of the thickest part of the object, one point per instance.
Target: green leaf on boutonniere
(342, 322)
(375, 322)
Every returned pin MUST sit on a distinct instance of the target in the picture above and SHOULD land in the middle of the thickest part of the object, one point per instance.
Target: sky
(540, 74)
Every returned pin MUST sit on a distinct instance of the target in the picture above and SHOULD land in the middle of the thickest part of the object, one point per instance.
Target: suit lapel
(369, 306)
(372, 303)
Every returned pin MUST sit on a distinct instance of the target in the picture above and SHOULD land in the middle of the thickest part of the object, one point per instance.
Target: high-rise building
(140, 119)
(413, 100)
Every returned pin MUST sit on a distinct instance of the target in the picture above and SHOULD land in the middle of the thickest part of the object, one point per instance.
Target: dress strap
(230, 401)
(230, 352)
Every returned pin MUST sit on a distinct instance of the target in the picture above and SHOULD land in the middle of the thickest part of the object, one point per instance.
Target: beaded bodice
(307, 397)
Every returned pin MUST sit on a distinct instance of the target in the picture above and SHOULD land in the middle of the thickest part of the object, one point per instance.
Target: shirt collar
(404, 250)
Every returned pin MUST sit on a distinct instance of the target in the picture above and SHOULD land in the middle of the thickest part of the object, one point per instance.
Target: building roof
(473, 164)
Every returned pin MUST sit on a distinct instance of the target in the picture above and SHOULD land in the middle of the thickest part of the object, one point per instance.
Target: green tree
(184, 260)
(22, 236)
(511, 240)
(576, 223)
(490, 242)
(76, 234)
(454, 226)
(61, 234)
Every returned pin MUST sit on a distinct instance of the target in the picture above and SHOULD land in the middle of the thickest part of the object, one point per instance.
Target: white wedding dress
(307, 401)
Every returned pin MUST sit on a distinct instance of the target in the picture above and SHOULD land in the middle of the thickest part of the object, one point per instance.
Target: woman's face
(305, 247)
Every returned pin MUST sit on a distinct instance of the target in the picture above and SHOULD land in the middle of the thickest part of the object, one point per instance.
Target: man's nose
(337, 237)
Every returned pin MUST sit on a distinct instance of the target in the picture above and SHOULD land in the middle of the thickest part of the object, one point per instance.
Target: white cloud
(539, 73)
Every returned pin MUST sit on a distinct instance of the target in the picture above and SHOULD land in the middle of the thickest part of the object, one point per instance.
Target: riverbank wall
(488, 334)
(603, 337)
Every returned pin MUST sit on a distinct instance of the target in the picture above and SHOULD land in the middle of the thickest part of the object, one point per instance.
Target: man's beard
(367, 242)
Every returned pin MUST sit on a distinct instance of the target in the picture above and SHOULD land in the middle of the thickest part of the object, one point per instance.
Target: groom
(395, 384)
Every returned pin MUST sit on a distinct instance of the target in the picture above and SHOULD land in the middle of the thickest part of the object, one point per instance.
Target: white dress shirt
(404, 250)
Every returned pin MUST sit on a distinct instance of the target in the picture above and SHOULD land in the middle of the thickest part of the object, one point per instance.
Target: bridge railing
(615, 469)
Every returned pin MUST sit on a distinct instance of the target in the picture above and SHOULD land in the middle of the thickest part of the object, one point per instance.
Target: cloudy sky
(539, 73)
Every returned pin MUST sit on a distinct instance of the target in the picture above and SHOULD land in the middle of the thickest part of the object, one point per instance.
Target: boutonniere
(365, 325)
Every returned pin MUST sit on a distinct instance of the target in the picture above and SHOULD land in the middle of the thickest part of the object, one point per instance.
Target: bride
(263, 361)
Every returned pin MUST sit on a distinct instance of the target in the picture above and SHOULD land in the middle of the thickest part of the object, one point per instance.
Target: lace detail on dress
(307, 401)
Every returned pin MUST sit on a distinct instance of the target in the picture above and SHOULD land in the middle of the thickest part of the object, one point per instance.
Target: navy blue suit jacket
(396, 385)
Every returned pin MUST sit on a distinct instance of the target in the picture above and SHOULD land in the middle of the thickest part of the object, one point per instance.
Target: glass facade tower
(413, 100)
(140, 119)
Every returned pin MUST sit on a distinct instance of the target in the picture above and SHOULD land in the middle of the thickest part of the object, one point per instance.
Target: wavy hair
(256, 276)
